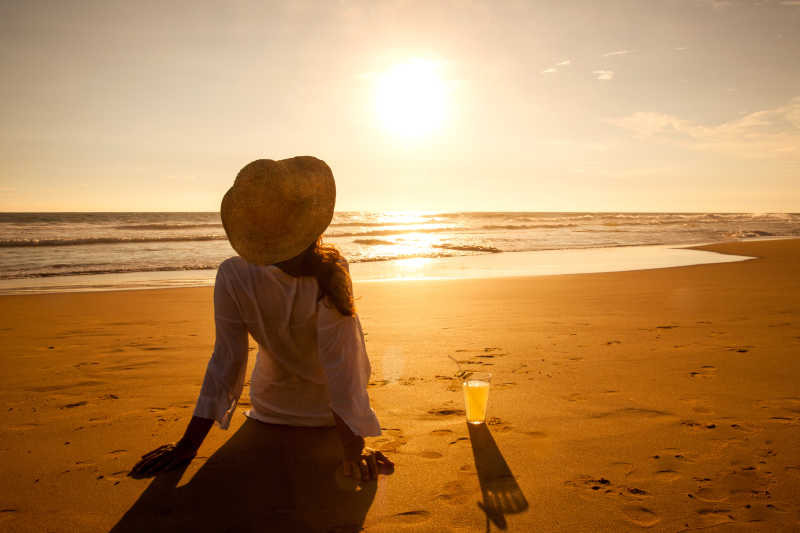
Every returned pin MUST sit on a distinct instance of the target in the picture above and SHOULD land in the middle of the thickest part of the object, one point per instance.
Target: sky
(436, 105)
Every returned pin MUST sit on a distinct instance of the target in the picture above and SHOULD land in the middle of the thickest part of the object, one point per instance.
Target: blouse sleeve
(224, 379)
(343, 355)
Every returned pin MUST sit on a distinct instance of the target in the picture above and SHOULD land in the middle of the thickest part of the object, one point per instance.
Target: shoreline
(480, 266)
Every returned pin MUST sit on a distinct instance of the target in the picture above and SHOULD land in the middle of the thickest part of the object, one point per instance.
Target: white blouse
(311, 359)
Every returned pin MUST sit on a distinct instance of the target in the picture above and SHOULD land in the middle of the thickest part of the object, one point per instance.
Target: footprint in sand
(739, 349)
(698, 426)
(535, 434)
(744, 427)
(591, 485)
(498, 425)
(669, 463)
(641, 516)
(392, 440)
(705, 371)
(429, 454)
(7, 513)
(73, 405)
(793, 470)
(442, 432)
(710, 517)
(410, 517)
(114, 453)
(711, 494)
(458, 492)
(447, 411)
(782, 409)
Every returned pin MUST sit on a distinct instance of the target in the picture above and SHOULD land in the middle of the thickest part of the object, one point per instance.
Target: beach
(662, 399)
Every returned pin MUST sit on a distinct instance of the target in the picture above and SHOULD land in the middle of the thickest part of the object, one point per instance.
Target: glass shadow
(266, 477)
(501, 493)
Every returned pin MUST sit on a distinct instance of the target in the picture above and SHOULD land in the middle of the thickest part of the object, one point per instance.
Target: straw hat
(276, 209)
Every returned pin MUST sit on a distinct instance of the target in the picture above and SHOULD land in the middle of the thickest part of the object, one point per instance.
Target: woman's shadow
(264, 478)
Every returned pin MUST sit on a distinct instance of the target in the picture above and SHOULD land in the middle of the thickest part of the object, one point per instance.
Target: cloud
(617, 53)
(772, 133)
(604, 75)
(551, 70)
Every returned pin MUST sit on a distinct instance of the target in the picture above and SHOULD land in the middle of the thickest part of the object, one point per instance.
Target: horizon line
(424, 211)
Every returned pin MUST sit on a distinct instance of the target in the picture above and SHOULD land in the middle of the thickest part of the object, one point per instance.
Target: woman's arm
(359, 462)
(222, 386)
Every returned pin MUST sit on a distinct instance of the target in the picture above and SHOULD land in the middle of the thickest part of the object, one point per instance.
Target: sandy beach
(664, 399)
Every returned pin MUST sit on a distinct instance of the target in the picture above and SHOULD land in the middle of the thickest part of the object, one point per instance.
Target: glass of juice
(476, 396)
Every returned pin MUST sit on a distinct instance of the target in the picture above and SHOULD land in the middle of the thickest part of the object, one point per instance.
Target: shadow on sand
(264, 478)
(501, 493)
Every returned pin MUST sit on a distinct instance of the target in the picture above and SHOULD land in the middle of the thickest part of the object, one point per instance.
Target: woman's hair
(325, 263)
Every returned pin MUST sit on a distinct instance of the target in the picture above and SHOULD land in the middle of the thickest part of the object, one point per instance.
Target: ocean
(47, 252)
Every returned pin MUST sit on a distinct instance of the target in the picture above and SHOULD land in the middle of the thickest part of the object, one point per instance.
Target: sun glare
(411, 98)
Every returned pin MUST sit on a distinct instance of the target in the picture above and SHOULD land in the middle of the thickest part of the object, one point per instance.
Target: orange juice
(476, 396)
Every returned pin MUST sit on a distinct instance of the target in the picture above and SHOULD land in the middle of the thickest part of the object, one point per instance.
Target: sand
(664, 399)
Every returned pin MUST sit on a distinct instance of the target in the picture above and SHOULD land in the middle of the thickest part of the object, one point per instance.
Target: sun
(411, 98)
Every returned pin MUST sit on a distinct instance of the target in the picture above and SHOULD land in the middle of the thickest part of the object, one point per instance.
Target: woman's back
(279, 311)
(296, 379)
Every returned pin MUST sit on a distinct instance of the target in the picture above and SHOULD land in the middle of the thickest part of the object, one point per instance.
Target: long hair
(326, 264)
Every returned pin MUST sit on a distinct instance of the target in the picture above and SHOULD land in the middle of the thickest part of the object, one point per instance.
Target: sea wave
(373, 224)
(527, 226)
(19, 243)
(375, 259)
(750, 234)
(469, 248)
(372, 242)
(109, 270)
(446, 229)
(168, 226)
(383, 232)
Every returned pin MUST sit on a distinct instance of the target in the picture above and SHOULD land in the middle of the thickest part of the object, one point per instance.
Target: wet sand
(664, 399)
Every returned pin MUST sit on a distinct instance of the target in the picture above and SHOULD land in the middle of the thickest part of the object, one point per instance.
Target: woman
(293, 295)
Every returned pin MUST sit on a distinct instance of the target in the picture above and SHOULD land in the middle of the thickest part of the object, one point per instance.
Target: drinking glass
(476, 396)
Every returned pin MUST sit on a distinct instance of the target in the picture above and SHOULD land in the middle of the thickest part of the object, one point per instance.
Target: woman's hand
(163, 458)
(367, 465)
